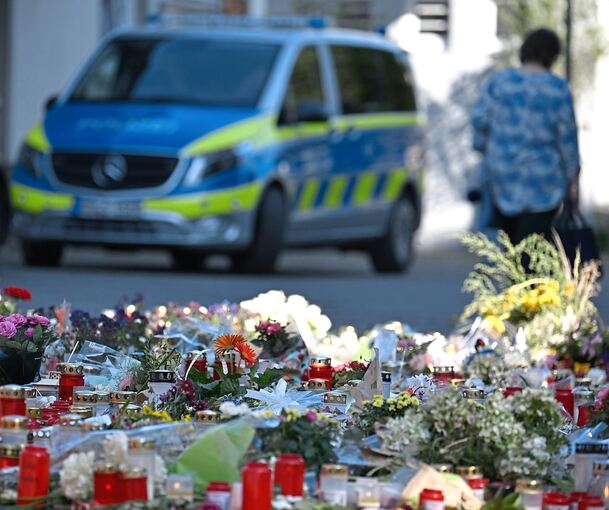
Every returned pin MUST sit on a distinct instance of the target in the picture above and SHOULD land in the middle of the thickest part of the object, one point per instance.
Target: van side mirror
(50, 102)
(311, 111)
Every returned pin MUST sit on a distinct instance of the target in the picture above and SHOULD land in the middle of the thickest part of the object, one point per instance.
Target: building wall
(43, 56)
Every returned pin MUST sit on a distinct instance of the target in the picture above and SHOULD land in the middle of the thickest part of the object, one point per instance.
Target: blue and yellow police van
(219, 137)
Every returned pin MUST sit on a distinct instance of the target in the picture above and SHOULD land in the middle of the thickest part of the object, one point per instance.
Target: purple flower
(39, 319)
(311, 416)
(16, 319)
(7, 329)
(29, 332)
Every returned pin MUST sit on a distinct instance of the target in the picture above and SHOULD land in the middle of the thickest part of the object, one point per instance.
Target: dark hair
(541, 46)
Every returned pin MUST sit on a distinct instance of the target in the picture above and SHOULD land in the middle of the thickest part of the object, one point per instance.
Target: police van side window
(371, 81)
(304, 99)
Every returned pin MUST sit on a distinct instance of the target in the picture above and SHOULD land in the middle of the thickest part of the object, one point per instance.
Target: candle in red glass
(591, 503)
(584, 400)
(566, 398)
(320, 368)
(431, 499)
(9, 455)
(134, 484)
(556, 501)
(199, 364)
(106, 485)
(289, 474)
(71, 377)
(230, 363)
(511, 390)
(443, 375)
(257, 486)
(12, 400)
(34, 473)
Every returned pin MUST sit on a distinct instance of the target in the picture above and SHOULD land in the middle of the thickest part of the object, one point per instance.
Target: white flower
(115, 448)
(280, 397)
(76, 476)
(422, 386)
(231, 409)
(569, 322)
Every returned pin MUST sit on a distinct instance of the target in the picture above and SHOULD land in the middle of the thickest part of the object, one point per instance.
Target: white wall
(49, 41)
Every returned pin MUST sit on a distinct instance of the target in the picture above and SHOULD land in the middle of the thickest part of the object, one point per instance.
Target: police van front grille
(136, 228)
(78, 169)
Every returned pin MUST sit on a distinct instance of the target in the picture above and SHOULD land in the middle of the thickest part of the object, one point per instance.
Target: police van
(220, 137)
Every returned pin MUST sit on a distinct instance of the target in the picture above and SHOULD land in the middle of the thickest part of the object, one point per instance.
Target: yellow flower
(569, 289)
(377, 401)
(163, 415)
(495, 324)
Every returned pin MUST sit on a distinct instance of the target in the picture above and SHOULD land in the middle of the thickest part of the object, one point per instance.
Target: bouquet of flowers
(275, 342)
(376, 411)
(352, 371)
(9, 298)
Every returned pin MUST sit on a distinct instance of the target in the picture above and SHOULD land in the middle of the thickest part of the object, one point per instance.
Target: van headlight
(29, 159)
(210, 164)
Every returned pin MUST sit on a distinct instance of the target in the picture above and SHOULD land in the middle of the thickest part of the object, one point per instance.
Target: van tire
(187, 261)
(41, 254)
(393, 252)
(269, 232)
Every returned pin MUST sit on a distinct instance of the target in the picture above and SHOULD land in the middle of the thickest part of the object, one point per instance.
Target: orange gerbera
(226, 343)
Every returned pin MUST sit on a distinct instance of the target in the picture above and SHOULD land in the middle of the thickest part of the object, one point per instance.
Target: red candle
(9, 455)
(443, 375)
(34, 472)
(229, 361)
(289, 474)
(556, 501)
(591, 503)
(12, 400)
(257, 486)
(134, 484)
(107, 485)
(320, 368)
(511, 390)
(199, 364)
(431, 499)
(71, 377)
(566, 398)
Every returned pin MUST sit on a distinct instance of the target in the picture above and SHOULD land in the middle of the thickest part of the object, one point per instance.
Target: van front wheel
(268, 236)
(393, 253)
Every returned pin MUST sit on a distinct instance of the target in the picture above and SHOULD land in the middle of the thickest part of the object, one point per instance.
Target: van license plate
(116, 209)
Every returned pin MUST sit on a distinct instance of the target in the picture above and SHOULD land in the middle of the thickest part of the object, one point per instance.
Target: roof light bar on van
(219, 20)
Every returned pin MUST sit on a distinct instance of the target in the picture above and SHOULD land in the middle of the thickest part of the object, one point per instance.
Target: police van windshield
(196, 71)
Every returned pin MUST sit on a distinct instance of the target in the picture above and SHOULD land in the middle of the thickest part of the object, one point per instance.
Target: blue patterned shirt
(524, 125)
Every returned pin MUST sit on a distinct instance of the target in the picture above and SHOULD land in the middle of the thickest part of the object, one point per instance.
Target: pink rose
(40, 319)
(16, 319)
(273, 328)
(7, 329)
(29, 332)
(311, 416)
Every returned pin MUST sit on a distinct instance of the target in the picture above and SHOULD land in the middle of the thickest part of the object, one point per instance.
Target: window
(199, 71)
(371, 81)
(304, 89)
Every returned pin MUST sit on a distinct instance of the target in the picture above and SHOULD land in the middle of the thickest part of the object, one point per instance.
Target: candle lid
(583, 381)
(29, 391)
(457, 382)
(195, 354)
(102, 396)
(600, 466)
(70, 368)
(444, 370)
(83, 411)
(14, 422)
(33, 412)
(106, 468)
(11, 391)
(335, 398)
(386, 377)
(318, 384)
(40, 434)
(131, 410)
(334, 470)
(70, 420)
(140, 443)
(443, 468)
(592, 448)
(91, 426)
(162, 376)
(320, 360)
(472, 393)
(85, 397)
(524, 484)
(207, 416)
(10, 451)
(468, 471)
(133, 472)
(122, 397)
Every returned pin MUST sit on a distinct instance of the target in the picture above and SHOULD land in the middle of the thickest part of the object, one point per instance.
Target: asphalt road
(343, 285)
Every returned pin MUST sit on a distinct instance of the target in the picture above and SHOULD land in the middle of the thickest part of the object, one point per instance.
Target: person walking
(525, 128)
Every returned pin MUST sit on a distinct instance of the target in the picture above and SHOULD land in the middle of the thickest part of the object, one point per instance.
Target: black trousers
(524, 224)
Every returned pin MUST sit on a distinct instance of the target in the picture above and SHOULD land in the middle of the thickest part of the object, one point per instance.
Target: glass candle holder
(141, 454)
(257, 479)
(600, 481)
(12, 400)
(333, 484)
(159, 383)
(442, 375)
(68, 428)
(225, 364)
(102, 404)
(179, 487)
(34, 475)
(14, 429)
(584, 400)
(586, 454)
(431, 499)
(9, 455)
(289, 474)
(469, 472)
(477, 485)
(556, 501)
(120, 399)
(107, 488)
(566, 398)
(367, 493)
(198, 360)
(71, 377)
